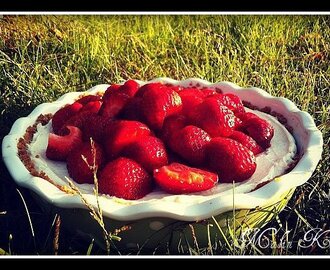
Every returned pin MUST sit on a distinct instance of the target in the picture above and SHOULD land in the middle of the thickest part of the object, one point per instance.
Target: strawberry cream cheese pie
(164, 150)
(152, 141)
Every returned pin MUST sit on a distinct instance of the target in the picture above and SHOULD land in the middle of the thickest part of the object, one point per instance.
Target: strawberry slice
(59, 147)
(125, 178)
(63, 115)
(84, 160)
(177, 178)
(121, 133)
(149, 151)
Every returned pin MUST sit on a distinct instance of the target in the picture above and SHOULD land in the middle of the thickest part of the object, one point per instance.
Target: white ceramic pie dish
(308, 138)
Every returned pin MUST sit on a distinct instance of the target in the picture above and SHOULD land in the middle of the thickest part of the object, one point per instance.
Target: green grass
(43, 57)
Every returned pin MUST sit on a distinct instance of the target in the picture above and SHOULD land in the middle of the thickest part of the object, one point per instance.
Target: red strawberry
(247, 141)
(121, 133)
(149, 151)
(59, 146)
(158, 103)
(234, 103)
(172, 124)
(92, 106)
(215, 118)
(129, 88)
(191, 98)
(260, 130)
(231, 101)
(63, 115)
(125, 178)
(148, 87)
(110, 89)
(80, 171)
(230, 159)
(177, 178)
(190, 143)
(89, 98)
(94, 127)
(113, 104)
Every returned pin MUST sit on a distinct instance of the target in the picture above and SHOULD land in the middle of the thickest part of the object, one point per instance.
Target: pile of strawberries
(134, 138)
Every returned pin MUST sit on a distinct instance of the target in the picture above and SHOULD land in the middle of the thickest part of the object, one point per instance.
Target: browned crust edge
(24, 156)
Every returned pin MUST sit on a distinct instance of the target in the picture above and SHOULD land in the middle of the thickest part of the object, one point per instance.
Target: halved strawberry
(113, 104)
(59, 147)
(158, 103)
(231, 160)
(177, 178)
(215, 118)
(63, 115)
(125, 178)
(121, 133)
(190, 143)
(84, 161)
(148, 151)
(247, 141)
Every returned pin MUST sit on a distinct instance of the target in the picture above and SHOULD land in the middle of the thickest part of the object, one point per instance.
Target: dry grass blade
(57, 235)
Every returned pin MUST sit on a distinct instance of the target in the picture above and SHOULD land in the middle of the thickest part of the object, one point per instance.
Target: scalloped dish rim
(257, 198)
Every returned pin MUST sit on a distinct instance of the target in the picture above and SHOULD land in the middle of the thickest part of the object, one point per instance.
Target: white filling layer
(270, 164)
